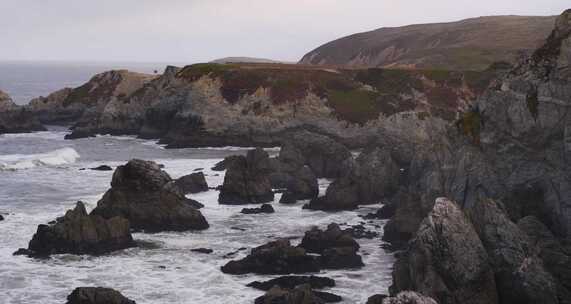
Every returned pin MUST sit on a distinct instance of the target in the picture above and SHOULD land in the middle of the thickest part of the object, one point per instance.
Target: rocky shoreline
(479, 208)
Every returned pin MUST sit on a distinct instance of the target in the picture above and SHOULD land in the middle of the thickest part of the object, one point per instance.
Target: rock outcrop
(338, 248)
(80, 233)
(265, 208)
(247, 180)
(192, 183)
(16, 119)
(302, 294)
(149, 199)
(290, 282)
(97, 295)
(446, 260)
(405, 297)
(277, 257)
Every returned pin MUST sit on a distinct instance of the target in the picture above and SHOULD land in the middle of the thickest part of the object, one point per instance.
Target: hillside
(471, 44)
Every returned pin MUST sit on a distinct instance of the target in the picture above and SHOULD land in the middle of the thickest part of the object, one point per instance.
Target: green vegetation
(390, 81)
(196, 71)
(356, 106)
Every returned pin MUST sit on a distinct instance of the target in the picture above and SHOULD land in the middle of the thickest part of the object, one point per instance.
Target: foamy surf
(55, 158)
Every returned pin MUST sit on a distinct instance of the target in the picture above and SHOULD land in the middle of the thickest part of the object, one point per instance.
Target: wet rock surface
(80, 233)
(302, 294)
(265, 208)
(97, 295)
(149, 199)
(290, 282)
(247, 180)
(192, 183)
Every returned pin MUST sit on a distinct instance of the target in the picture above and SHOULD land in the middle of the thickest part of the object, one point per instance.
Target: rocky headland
(16, 119)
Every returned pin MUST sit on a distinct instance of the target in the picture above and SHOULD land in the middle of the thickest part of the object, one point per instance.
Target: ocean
(41, 178)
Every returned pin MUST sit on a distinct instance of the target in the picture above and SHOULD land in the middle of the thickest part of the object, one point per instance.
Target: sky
(188, 31)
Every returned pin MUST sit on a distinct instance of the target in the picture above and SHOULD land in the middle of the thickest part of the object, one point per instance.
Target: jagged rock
(247, 180)
(300, 182)
(384, 213)
(192, 183)
(446, 260)
(102, 168)
(326, 157)
(265, 208)
(302, 294)
(409, 297)
(520, 276)
(16, 119)
(225, 163)
(376, 299)
(555, 256)
(405, 222)
(277, 257)
(317, 241)
(97, 295)
(374, 176)
(147, 196)
(341, 257)
(290, 282)
(360, 232)
(288, 198)
(80, 233)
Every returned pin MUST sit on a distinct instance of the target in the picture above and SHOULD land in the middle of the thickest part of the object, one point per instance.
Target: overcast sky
(184, 31)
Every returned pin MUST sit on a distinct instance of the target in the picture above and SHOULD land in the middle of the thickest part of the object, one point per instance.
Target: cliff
(257, 104)
(15, 119)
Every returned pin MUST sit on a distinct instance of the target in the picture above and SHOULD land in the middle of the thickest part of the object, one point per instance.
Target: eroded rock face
(277, 257)
(80, 233)
(97, 295)
(520, 276)
(407, 297)
(147, 196)
(192, 183)
(247, 180)
(16, 119)
(446, 260)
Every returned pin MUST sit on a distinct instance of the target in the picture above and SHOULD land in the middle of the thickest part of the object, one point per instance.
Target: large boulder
(97, 295)
(317, 240)
(277, 257)
(192, 183)
(147, 196)
(247, 180)
(520, 276)
(405, 297)
(302, 294)
(80, 233)
(446, 260)
(325, 156)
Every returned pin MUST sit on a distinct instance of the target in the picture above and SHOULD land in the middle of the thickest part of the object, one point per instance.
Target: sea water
(40, 178)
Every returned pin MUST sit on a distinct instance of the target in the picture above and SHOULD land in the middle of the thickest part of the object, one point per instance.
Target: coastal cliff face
(15, 119)
(258, 104)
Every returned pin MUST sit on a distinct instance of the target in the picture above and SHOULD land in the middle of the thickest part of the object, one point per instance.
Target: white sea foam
(55, 158)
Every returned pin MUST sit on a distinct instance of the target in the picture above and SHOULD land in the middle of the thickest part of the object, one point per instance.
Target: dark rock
(384, 213)
(341, 257)
(192, 183)
(291, 174)
(404, 224)
(80, 233)
(1, 217)
(102, 168)
(342, 194)
(225, 163)
(288, 198)
(265, 208)
(97, 295)
(146, 195)
(202, 250)
(302, 294)
(290, 282)
(277, 257)
(520, 276)
(247, 180)
(446, 260)
(376, 299)
(360, 232)
(317, 241)
(326, 157)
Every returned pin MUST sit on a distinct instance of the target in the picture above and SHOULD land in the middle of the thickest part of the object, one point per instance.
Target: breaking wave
(55, 158)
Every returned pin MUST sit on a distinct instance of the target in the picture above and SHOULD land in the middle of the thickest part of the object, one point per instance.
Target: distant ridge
(246, 60)
(471, 44)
